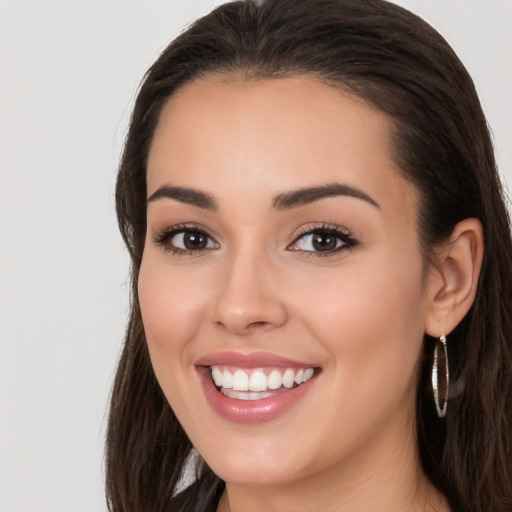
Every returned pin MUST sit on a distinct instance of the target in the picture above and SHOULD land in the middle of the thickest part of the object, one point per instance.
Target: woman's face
(282, 247)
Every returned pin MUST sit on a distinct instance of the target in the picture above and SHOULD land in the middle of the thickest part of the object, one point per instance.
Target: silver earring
(439, 387)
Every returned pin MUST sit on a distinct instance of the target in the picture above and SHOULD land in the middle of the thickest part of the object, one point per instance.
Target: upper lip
(250, 360)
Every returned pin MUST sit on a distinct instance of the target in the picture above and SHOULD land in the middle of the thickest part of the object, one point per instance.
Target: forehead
(228, 135)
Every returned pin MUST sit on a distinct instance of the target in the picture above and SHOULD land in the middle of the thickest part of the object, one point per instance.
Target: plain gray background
(69, 71)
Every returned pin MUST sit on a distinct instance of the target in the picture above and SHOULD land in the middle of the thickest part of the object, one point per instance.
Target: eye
(325, 239)
(185, 240)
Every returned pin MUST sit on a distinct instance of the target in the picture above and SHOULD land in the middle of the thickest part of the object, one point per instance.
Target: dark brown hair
(401, 66)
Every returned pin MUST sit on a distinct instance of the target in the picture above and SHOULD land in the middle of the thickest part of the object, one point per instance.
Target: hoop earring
(439, 360)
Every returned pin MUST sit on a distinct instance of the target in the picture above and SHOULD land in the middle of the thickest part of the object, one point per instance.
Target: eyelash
(164, 239)
(343, 235)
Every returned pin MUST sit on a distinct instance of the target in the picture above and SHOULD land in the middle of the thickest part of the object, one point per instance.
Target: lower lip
(251, 411)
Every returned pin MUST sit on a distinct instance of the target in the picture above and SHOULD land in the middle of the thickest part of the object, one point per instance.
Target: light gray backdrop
(69, 71)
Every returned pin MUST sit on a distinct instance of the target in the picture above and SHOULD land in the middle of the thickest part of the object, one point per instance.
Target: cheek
(369, 315)
(371, 324)
(171, 306)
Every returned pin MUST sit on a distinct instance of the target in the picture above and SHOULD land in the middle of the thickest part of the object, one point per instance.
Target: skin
(358, 313)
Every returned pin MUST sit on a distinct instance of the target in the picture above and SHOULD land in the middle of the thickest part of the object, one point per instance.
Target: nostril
(247, 328)
(257, 324)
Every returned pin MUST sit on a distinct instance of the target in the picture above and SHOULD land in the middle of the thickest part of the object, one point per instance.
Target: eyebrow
(309, 195)
(185, 195)
(284, 201)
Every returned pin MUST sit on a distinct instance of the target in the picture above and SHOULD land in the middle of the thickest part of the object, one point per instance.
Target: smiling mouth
(257, 384)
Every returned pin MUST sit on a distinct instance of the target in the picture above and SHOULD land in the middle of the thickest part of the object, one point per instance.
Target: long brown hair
(400, 65)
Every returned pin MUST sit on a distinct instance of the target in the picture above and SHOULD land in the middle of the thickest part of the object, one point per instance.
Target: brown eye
(183, 240)
(324, 242)
(192, 240)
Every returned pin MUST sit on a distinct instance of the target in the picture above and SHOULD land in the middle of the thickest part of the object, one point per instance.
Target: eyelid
(162, 238)
(343, 234)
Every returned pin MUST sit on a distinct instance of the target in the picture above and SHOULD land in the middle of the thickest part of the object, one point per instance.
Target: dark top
(198, 498)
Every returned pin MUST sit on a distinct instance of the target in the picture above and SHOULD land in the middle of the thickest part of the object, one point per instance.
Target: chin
(238, 470)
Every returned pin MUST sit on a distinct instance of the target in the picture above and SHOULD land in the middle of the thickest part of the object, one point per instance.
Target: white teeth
(258, 382)
(227, 380)
(275, 380)
(308, 373)
(244, 395)
(240, 381)
(288, 378)
(217, 376)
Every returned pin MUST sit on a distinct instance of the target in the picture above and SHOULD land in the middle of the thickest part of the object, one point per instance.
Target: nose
(248, 299)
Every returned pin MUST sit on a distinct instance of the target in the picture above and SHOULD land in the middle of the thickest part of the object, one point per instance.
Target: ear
(453, 278)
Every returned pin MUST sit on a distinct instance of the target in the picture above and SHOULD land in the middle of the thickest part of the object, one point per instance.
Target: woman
(305, 193)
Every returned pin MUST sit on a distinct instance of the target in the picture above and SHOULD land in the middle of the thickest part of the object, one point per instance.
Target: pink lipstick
(253, 388)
